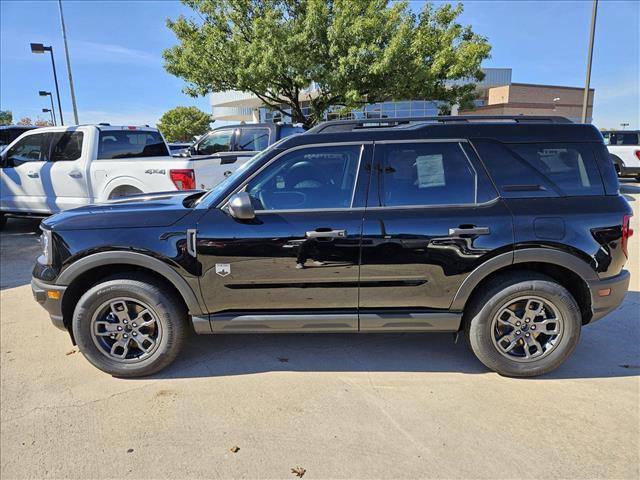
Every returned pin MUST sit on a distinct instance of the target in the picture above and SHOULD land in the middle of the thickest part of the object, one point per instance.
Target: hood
(144, 210)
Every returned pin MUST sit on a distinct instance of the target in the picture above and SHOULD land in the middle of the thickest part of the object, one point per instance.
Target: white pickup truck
(47, 170)
(624, 148)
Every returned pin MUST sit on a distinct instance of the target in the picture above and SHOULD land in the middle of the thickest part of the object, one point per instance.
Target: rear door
(295, 266)
(22, 188)
(432, 217)
(65, 171)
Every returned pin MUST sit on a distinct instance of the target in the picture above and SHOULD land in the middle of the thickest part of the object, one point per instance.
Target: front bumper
(50, 297)
(603, 305)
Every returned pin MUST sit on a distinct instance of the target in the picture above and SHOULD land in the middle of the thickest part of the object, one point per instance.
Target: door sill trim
(342, 321)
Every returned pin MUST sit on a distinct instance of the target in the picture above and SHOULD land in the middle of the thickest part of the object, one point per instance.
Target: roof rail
(333, 126)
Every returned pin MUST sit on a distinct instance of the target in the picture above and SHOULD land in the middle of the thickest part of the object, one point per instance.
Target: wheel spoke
(119, 309)
(120, 348)
(508, 317)
(511, 338)
(534, 308)
(548, 327)
(104, 329)
(144, 342)
(144, 319)
(532, 347)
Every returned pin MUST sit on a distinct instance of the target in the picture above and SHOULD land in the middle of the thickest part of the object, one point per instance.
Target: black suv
(509, 230)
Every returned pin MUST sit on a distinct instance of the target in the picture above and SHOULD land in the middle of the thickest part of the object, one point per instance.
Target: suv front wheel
(130, 326)
(523, 324)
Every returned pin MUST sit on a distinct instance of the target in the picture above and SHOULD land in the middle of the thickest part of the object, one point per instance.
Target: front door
(432, 217)
(295, 266)
(22, 189)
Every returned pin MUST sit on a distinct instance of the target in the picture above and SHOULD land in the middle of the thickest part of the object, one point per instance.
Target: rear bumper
(603, 305)
(45, 294)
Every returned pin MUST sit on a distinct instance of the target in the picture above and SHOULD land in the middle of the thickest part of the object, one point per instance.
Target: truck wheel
(129, 326)
(523, 325)
(124, 191)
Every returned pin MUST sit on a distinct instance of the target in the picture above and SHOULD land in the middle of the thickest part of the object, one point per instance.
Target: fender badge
(223, 269)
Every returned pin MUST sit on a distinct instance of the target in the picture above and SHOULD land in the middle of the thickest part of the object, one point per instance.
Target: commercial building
(497, 95)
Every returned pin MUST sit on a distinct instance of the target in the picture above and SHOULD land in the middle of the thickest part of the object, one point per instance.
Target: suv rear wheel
(523, 325)
(129, 326)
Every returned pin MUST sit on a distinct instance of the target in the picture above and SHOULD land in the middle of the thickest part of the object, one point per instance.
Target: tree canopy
(181, 124)
(6, 117)
(352, 52)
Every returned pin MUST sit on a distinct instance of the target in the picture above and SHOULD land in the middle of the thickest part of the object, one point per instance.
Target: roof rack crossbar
(370, 123)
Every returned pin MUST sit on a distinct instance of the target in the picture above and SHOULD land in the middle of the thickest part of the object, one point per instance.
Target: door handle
(326, 233)
(469, 231)
(75, 174)
(32, 174)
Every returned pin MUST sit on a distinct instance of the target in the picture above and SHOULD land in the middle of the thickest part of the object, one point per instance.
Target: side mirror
(191, 151)
(240, 206)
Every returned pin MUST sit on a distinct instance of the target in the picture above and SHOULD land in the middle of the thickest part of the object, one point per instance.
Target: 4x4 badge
(223, 269)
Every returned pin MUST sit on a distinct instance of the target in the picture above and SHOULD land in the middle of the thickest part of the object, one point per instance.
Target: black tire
(3, 221)
(168, 312)
(497, 294)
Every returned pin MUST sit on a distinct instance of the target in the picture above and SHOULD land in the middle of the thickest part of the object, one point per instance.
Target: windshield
(212, 195)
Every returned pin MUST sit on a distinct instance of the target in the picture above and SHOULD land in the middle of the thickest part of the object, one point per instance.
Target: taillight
(627, 232)
(637, 152)
(183, 179)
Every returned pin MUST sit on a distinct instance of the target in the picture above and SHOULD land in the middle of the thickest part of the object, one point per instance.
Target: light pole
(43, 93)
(40, 48)
(53, 119)
(585, 98)
(66, 51)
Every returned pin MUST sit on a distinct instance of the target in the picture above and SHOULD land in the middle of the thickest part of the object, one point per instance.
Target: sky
(116, 54)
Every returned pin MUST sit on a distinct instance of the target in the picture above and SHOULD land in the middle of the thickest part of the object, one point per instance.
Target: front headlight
(47, 247)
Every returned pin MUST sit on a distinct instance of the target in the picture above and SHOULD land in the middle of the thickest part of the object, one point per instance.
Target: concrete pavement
(339, 406)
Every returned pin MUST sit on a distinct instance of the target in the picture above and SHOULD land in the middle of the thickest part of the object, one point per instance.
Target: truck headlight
(47, 247)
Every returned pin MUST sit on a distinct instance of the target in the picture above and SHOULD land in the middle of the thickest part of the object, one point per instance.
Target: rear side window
(115, 144)
(214, 142)
(541, 169)
(621, 138)
(426, 174)
(66, 146)
(253, 139)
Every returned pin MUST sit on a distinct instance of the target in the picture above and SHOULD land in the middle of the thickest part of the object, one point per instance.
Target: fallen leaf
(71, 352)
(298, 471)
(283, 359)
(235, 449)
(130, 450)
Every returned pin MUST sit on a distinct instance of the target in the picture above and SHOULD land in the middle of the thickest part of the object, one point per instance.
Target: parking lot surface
(338, 406)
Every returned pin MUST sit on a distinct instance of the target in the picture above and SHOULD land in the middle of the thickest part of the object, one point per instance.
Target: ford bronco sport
(509, 230)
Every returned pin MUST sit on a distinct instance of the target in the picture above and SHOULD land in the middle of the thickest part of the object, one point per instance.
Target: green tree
(353, 52)
(181, 124)
(6, 117)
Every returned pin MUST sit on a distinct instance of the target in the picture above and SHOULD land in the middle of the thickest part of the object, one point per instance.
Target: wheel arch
(568, 270)
(86, 272)
(120, 182)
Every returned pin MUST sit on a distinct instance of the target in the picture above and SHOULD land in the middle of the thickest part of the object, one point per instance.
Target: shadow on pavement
(608, 348)
(19, 248)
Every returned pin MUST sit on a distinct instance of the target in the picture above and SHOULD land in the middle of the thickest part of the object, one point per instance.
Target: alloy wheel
(527, 328)
(126, 330)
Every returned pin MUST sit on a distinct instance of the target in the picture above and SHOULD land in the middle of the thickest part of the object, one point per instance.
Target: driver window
(215, 142)
(310, 178)
(30, 149)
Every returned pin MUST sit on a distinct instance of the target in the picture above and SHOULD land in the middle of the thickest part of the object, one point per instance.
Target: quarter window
(29, 149)
(117, 144)
(66, 146)
(426, 174)
(310, 178)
